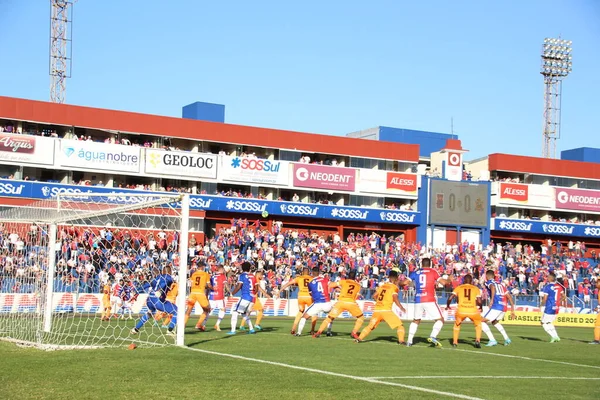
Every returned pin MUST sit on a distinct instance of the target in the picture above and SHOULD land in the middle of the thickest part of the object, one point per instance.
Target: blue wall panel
(429, 142)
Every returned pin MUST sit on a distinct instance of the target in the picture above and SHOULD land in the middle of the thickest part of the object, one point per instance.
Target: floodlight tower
(61, 23)
(556, 65)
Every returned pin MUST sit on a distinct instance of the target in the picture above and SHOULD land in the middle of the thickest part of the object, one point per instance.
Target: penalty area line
(336, 374)
(574, 378)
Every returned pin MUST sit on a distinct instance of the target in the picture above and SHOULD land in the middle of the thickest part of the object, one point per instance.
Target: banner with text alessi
(577, 199)
(182, 164)
(387, 182)
(316, 176)
(98, 156)
(518, 193)
(26, 149)
(254, 170)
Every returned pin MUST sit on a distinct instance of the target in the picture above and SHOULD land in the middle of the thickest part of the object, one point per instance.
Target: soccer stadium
(198, 256)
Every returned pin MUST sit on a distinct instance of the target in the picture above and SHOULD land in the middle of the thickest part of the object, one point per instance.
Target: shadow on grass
(533, 339)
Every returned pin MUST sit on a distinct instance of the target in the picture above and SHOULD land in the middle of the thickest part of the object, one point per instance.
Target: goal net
(75, 268)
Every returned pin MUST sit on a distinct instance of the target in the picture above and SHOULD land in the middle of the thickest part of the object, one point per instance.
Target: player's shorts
(315, 308)
(154, 304)
(304, 303)
(494, 315)
(106, 304)
(199, 298)
(548, 318)
(217, 304)
(597, 325)
(390, 317)
(429, 308)
(127, 304)
(342, 306)
(475, 317)
(115, 299)
(244, 306)
(258, 306)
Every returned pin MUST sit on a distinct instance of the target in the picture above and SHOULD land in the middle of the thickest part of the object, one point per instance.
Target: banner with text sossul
(545, 228)
(254, 170)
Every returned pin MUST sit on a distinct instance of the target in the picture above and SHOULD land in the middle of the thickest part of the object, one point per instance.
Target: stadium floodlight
(556, 65)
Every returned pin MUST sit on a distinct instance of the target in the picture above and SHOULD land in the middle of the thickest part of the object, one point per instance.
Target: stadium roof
(544, 166)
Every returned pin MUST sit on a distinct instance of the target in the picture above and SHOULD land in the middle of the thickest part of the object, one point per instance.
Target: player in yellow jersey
(172, 298)
(106, 308)
(597, 324)
(258, 306)
(349, 292)
(469, 306)
(304, 298)
(200, 280)
(385, 297)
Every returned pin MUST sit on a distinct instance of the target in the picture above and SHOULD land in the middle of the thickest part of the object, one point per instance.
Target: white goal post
(72, 268)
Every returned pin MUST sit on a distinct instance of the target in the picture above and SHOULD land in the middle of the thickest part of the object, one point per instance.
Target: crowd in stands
(88, 257)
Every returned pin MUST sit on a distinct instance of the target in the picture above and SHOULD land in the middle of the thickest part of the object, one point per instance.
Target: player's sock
(201, 319)
(205, 320)
(234, 318)
(324, 325)
(358, 324)
(329, 325)
(297, 321)
(435, 331)
(501, 330)
(365, 332)
(455, 333)
(259, 317)
(313, 323)
(597, 333)
(400, 331)
(553, 332)
(548, 328)
(301, 325)
(478, 332)
(249, 322)
(488, 332)
(220, 317)
(412, 330)
(142, 321)
(173, 322)
(243, 323)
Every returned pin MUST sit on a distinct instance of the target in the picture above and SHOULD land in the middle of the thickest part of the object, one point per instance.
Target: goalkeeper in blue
(157, 294)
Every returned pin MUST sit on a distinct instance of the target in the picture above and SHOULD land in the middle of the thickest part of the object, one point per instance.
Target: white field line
(482, 352)
(575, 378)
(323, 372)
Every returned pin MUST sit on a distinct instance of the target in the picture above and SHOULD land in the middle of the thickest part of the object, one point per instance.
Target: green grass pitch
(273, 364)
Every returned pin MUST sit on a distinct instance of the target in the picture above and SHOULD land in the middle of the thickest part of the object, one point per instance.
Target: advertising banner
(99, 156)
(535, 318)
(387, 182)
(254, 170)
(317, 176)
(514, 192)
(181, 164)
(264, 208)
(521, 194)
(26, 149)
(453, 166)
(459, 203)
(545, 228)
(577, 199)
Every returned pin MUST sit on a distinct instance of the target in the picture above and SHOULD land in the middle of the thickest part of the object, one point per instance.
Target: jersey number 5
(381, 295)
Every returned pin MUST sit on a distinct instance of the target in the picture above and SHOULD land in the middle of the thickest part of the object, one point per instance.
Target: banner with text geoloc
(98, 156)
(45, 190)
(254, 170)
(181, 164)
(545, 228)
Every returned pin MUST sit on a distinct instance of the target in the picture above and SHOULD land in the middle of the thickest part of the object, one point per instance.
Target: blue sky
(323, 66)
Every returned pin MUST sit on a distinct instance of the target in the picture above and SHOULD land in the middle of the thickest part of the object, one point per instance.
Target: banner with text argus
(387, 182)
(518, 193)
(44, 190)
(316, 176)
(545, 228)
(577, 199)
(26, 149)
(98, 156)
(181, 164)
(254, 170)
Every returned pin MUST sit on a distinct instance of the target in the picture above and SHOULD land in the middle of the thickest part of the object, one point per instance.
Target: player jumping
(469, 306)
(498, 296)
(304, 298)
(386, 296)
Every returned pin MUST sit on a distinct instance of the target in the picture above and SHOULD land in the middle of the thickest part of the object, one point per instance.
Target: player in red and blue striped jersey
(498, 295)
(319, 291)
(247, 285)
(425, 280)
(216, 297)
(128, 296)
(553, 298)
